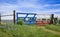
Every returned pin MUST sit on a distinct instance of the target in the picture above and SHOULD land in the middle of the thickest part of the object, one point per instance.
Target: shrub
(20, 22)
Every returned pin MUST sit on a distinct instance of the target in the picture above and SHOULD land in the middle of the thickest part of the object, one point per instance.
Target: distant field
(25, 31)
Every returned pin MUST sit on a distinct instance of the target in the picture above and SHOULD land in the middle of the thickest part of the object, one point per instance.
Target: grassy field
(24, 31)
(53, 27)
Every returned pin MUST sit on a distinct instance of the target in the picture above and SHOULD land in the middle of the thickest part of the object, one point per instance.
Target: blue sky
(40, 6)
(30, 6)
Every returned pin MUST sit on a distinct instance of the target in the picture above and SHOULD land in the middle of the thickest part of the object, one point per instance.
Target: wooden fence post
(52, 18)
(14, 16)
(0, 18)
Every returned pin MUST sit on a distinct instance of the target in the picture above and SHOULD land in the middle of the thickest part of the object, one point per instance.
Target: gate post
(17, 17)
(14, 16)
(0, 18)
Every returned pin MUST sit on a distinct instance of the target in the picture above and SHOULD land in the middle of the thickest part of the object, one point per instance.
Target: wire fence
(13, 17)
(8, 18)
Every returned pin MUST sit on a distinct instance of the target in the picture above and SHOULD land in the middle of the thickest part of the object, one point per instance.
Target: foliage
(59, 21)
(55, 20)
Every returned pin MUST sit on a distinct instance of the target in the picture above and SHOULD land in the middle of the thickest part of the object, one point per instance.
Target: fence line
(51, 21)
(8, 15)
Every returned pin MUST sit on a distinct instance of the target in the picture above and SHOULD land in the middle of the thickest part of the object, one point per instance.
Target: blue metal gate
(32, 20)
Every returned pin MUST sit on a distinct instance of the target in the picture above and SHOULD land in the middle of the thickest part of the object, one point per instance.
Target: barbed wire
(7, 15)
(15, 15)
(44, 14)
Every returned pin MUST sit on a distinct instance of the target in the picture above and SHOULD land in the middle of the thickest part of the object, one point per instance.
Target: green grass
(53, 27)
(25, 31)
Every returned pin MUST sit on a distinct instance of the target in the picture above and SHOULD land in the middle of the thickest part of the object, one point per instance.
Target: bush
(20, 22)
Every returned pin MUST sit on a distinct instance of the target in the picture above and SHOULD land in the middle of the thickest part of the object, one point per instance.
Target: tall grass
(25, 31)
